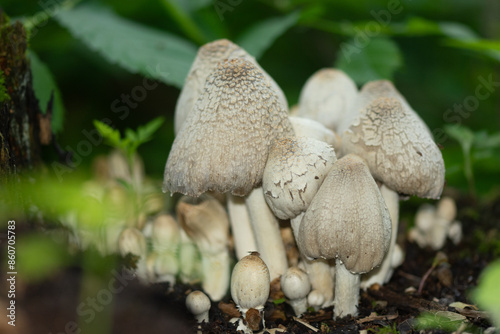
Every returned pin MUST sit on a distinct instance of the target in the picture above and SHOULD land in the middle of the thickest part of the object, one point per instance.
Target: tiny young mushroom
(399, 150)
(250, 284)
(165, 238)
(348, 221)
(224, 143)
(296, 286)
(326, 96)
(198, 304)
(132, 241)
(207, 58)
(205, 221)
(295, 170)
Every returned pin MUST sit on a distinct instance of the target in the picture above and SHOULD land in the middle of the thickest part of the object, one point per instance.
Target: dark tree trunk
(19, 110)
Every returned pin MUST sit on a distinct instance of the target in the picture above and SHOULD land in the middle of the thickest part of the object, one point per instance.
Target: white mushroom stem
(244, 239)
(319, 270)
(267, 232)
(347, 287)
(189, 256)
(206, 222)
(383, 274)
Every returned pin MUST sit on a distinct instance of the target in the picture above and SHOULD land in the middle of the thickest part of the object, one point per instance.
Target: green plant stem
(468, 169)
(184, 21)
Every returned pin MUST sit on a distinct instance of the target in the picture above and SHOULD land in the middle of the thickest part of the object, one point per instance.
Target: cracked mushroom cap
(225, 142)
(295, 169)
(397, 148)
(326, 96)
(347, 219)
(207, 58)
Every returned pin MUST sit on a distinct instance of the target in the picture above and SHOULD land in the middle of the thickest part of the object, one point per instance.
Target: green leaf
(461, 134)
(137, 48)
(44, 86)
(379, 59)
(111, 135)
(39, 256)
(145, 132)
(259, 37)
(487, 293)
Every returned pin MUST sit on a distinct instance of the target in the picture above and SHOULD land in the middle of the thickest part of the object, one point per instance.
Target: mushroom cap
(131, 240)
(447, 209)
(294, 172)
(207, 58)
(306, 127)
(205, 221)
(397, 148)
(197, 302)
(165, 234)
(224, 143)
(250, 283)
(295, 283)
(347, 219)
(326, 96)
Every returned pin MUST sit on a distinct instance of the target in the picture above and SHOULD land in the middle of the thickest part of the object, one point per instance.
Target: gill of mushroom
(207, 58)
(224, 144)
(326, 96)
(250, 284)
(397, 147)
(347, 221)
(295, 170)
(205, 221)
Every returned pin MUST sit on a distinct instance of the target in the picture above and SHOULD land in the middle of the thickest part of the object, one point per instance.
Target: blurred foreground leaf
(38, 256)
(137, 48)
(487, 293)
(259, 37)
(369, 59)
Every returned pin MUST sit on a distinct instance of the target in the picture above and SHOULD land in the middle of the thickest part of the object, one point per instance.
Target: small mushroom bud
(132, 241)
(199, 304)
(295, 285)
(315, 299)
(250, 283)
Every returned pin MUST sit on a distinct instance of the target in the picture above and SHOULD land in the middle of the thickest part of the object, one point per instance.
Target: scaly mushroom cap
(326, 96)
(397, 148)
(250, 283)
(347, 219)
(225, 142)
(207, 58)
(295, 169)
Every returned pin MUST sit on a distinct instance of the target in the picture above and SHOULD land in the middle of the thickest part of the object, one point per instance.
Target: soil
(51, 306)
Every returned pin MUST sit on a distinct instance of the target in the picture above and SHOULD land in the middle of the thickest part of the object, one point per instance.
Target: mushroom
(189, 256)
(206, 222)
(224, 145)
(198, 304)
(397, 146)
(294, 172)
(306, 127)
(250, 284)
(165, 237)
(207, 58)
(348, 221)
(326, 96)
(132, 241)
(316, 299)
(296, 286)
(433, 225)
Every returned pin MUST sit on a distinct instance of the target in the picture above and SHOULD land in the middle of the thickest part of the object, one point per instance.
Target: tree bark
(19, 110)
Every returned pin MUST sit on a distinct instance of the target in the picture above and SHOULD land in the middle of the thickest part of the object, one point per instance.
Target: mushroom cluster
(335, 168)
